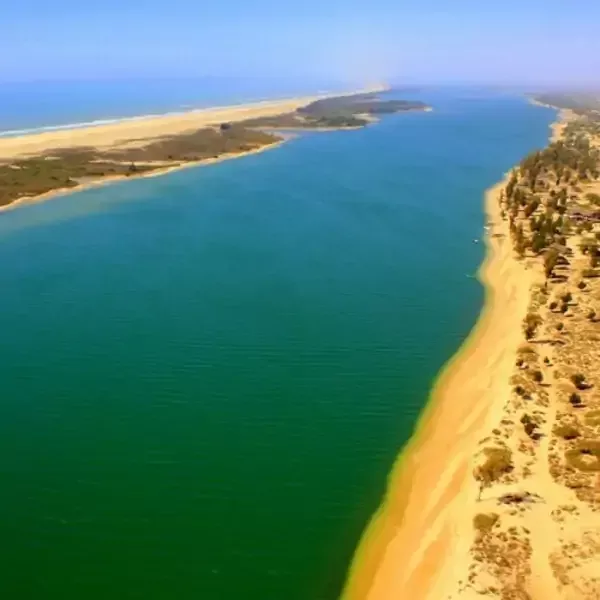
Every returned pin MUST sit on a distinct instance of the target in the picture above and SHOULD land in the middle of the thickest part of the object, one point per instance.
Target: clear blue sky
(512, 41)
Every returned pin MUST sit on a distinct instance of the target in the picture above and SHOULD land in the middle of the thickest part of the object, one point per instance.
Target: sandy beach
(138, 131)
(531, 529)
(418, 541)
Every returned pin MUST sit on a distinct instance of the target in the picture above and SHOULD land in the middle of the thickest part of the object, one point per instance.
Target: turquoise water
(206, 376)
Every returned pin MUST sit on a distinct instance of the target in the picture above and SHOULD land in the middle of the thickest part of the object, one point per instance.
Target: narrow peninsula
(498, 493)
(38, 166)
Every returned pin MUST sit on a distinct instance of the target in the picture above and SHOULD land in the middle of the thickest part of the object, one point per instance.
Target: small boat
(476, 241)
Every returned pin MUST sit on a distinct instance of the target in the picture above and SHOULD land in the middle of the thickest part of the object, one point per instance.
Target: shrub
(585, 456)
(567, 432)
(579, 381)
(531, 323)
(567, 297)
(484, 522)
(593, 198)
(582, 285)
(591, 315)
(519, 390)
(559, 326)
(530, 430)
(575, 399)
(590, 273)
(498, 461)
(553, 305)
(537, 376)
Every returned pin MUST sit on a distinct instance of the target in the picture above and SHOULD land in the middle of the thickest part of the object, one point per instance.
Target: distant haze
(530, 42)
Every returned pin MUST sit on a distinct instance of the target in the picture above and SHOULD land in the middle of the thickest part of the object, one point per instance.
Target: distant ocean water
(207, 376)
(44, 105)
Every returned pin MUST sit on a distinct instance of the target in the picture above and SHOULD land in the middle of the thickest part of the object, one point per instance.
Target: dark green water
(206, 377)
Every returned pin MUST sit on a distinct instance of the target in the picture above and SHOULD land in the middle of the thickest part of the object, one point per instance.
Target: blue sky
(513, 41)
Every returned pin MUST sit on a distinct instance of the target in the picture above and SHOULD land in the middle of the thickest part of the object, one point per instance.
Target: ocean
(27, 107)
(207, 376)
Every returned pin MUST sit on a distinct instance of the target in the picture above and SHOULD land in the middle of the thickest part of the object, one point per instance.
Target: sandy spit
(145, 129)
(101, 181)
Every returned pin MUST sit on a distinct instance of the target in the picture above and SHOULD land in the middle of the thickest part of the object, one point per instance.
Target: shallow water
(206, 376)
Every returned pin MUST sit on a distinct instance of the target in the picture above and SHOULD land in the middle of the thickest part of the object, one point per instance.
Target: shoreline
(102, 181)
(135, 131)
(10, 133)
(424, 522)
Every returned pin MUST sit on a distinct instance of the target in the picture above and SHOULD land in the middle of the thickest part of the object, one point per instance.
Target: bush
(553, 305)
(590, 273)
(530, 430)
(591, 315)
(582, 285)
(498, 461)
(567, 432)
(559, 326)
(484, 522)
(579, 381)
(567, 297)
(537, 376)
(531, 323)
(585, 456)
(575, 399)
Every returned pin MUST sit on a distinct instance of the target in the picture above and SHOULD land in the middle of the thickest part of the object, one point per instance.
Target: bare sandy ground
(144, 129)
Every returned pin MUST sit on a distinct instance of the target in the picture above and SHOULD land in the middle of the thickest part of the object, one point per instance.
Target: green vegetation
(593, 198)
(537, 376)
(530, 325)
(339, 113)
(530, 427)
(550, 261)
(566, 432)
(579, 381)
(498, 462)
(585, 456)
(67, 168)
(541, 198)
(484, 523)
(575, 399)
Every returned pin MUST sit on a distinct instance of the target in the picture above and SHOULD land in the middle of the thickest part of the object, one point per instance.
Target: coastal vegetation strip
(56, 167)
(498, 494)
